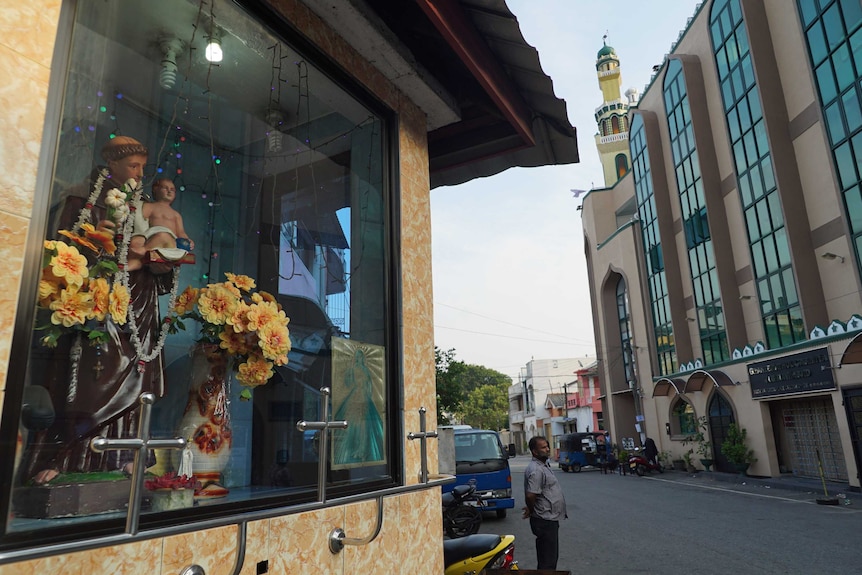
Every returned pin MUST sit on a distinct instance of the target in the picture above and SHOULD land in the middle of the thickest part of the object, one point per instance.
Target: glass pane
(817, 44)
(826, 82)
(852, 111)
(809, 10)
(277, 176)
(854, 208)
(789, 286)
(782, 246)
(852, 11)
(834, 122)
(835, 32)
(846, 165)
(844, 72)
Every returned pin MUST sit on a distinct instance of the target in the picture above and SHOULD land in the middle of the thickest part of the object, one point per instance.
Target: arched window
(615, 125)
(682, 419)
(622, 164)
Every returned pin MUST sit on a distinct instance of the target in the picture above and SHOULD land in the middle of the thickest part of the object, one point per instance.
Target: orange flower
(105, 238)
(71, 308)
(256, 371)
(274, 340)
(239, 319)
(263, 313)
(216, 303)
(80, 240)
(233, 342)
(100, 291)
(48, 289)
(244, 283)
(69, 264)
(118, 303)
(186, 300)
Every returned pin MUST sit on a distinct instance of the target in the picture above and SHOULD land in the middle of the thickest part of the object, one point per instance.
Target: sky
(509, 272)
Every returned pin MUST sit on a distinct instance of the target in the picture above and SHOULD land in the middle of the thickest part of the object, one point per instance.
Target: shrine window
(216, 229)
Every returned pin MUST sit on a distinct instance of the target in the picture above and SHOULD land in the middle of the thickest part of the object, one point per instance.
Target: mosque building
(725, 250)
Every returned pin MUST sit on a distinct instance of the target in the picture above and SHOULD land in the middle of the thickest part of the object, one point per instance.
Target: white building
(533, 406)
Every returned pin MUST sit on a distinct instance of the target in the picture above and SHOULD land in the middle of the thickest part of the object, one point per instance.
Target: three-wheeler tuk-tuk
(578, 450)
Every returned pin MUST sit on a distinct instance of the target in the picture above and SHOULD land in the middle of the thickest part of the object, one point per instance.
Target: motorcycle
(639, 464)
(462, 511)
(472, 554)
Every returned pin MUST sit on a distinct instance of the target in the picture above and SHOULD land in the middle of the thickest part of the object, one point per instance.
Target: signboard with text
(797, 373)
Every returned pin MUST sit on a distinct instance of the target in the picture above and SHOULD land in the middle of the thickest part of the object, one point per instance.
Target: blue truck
(480, 460)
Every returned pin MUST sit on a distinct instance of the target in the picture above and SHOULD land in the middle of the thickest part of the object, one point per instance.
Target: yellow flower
(263, 313)
(239, 319)
(186, 300)
(71, 308)
(49, 245)
(216, 304)
(47, 291)
(274, 340)
(244, 283)
(100, 291)
(256, 371)
(118, 303)
(69, 264)
(233, 342)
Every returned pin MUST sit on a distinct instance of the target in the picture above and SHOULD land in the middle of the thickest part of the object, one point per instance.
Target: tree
(450, 393)
(487, 407)
(456, 383)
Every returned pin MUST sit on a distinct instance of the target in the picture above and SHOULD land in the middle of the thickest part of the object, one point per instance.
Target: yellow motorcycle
(472, 554)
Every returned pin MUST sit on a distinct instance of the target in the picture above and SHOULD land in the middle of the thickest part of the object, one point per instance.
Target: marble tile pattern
(411, 538)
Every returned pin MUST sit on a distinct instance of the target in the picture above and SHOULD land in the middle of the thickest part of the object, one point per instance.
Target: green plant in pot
(704, 445)
(736, 450)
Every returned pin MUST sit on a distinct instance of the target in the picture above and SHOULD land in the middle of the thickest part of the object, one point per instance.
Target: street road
(676, 523)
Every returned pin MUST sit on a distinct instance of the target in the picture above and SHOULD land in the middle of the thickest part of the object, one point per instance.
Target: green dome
(606, 51)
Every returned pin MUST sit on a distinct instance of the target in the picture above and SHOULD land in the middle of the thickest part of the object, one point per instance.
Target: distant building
(724, 265)
(537, 403)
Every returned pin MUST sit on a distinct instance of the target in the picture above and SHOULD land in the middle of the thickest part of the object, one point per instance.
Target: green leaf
(245, 394)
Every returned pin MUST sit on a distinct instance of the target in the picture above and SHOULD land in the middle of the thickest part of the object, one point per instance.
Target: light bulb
(213, 50)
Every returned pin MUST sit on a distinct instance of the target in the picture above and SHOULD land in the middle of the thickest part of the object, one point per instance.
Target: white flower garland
(121, 215)
(122, 278)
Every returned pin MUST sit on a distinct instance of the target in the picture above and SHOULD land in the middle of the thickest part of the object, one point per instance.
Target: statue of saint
(94, 389)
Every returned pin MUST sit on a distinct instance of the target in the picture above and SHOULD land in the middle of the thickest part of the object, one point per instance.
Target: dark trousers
(547, 542)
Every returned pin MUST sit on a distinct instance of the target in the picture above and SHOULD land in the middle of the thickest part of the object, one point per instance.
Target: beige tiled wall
(291, 544)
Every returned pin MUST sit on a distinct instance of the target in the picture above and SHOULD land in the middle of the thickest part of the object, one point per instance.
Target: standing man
(545, 504)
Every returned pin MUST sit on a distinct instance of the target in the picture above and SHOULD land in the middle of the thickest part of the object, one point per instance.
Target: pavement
(786, 481)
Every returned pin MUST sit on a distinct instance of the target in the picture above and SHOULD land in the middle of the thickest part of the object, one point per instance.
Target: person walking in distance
(545, 504)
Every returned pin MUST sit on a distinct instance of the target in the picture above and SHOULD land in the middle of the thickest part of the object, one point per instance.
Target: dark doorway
(720, 418)
(853, 405)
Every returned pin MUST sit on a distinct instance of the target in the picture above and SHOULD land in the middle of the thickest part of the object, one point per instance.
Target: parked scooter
(462, 511)
(639, 464)
(472, 554)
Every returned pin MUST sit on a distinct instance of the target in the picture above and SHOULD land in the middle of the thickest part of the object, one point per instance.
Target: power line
(508, 323)
(511, 336)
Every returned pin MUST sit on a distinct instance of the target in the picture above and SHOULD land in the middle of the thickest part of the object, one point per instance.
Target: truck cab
(480, 460)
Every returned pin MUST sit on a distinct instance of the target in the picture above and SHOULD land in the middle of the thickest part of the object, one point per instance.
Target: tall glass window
(701, 259)
(654, 261)
(767, 236)
(833, 30)
(211, 182)
(625, 325)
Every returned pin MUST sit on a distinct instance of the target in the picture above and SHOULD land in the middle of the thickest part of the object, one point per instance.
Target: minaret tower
(612, 139)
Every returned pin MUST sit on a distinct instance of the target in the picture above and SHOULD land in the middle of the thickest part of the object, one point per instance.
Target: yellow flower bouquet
(75, 295)
(249, 325)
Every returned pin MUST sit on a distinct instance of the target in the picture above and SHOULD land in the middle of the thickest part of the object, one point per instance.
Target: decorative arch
(701, 377)
(666, 386)
(853, 352)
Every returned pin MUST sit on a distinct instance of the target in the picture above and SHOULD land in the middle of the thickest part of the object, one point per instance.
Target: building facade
(725, 266)
(537, 402)
(301, 140)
